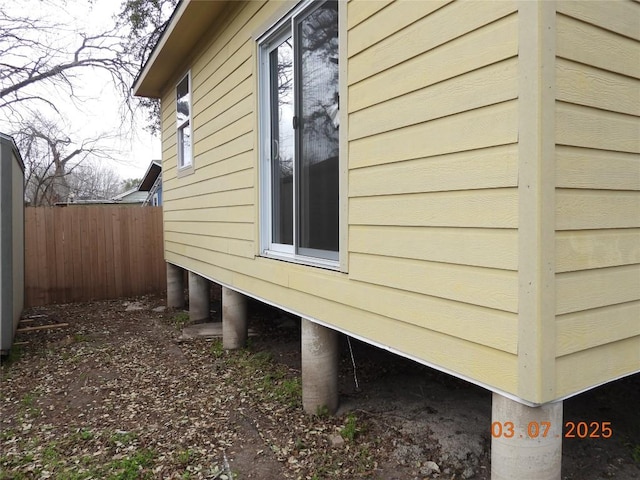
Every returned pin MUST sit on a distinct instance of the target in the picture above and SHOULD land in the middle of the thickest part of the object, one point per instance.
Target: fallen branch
(42, 327)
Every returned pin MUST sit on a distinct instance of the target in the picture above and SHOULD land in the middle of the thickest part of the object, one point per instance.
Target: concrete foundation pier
(319, 368)
(199, 297)
(175, 286)
(526, 442)
(234, 319)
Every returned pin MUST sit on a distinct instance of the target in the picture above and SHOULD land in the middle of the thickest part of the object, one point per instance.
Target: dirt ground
(115, 394)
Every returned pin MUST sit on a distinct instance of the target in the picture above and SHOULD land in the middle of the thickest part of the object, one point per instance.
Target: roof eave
(188, 23)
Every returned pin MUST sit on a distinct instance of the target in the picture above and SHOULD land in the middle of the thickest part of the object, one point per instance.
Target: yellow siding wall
(432, 182)
(598, 192)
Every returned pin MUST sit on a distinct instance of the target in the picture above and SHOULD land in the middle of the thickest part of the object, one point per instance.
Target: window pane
(318, 164)
(182, 101)
(184, 144)
(282, 142)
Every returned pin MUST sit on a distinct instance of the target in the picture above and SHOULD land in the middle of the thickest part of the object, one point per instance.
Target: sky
(96, 113)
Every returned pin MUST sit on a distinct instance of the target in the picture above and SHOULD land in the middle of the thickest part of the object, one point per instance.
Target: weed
(350, 429)
(79, 337)
(27, 458)
(180, 319)
(28, 405)
(7, 434)
(261, 359)
(322, 411)
(635, 453)
(184, 457)
(362, 459)
(120, 439)
(12, 476)
(216, 350)
(50, 453)
(27, 400)
(75, 476)
(86, 434)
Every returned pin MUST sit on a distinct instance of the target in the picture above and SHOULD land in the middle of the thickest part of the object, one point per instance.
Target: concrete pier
(199, 297)
(319, 368)
(175, 286)
(234, 319)
(526, 442)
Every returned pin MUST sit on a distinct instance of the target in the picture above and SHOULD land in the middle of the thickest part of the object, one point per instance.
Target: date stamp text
(543, 429)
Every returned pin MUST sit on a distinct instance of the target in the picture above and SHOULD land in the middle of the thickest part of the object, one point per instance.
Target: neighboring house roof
(131, 196)
(189, 22)
(152, 181)
(85, 202)
(151, 176)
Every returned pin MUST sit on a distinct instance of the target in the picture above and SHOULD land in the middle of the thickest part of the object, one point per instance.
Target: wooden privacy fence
(83, 253)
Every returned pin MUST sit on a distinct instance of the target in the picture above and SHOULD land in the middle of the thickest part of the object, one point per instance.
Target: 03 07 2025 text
(572, 429)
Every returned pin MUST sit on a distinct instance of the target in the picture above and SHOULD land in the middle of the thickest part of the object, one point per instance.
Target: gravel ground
(115, 394)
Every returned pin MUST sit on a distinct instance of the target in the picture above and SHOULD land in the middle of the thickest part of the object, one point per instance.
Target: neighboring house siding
(432, 253)
(598, 193)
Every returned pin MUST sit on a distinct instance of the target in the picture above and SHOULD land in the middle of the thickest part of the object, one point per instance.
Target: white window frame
(265, 43)
(185, 165)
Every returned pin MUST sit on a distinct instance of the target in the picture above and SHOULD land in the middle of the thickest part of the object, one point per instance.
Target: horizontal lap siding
(598, 192)
(371, 313)
(433, 173)
(432, 253)
(214, 208)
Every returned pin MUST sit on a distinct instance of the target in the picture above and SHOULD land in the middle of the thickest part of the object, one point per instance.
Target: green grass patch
(122, 439)
(7, 434)
(289, 391)
(133, 467)
(180, 319)
(216, 350)
(272, 378)
(79, 338)
(28, 405)
(83, 434)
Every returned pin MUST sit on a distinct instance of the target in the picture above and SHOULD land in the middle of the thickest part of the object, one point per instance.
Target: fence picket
(84, 253)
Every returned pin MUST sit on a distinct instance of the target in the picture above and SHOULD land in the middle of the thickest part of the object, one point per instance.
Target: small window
(183, 121)
(299, 132)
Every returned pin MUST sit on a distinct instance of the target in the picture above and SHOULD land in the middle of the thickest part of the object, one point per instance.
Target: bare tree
(51, 157)
(93, 180)
(42, 67)
(33, 57)
(128, 184)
